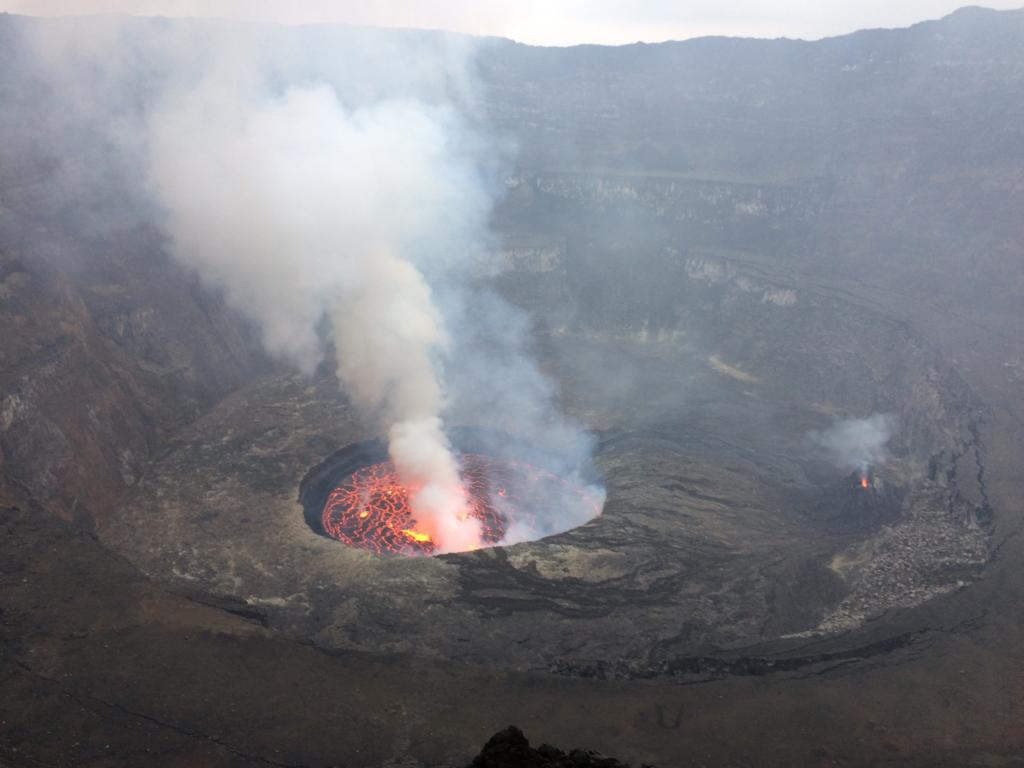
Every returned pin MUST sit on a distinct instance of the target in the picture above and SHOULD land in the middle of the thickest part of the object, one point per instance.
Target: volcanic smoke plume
(299, 207)
(333, 185)
(348, 214)
(857, 444)
(386, 330)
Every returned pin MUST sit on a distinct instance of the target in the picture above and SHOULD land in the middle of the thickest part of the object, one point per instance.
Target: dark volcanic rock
(72, 432)
(511, 749)
(98, 368)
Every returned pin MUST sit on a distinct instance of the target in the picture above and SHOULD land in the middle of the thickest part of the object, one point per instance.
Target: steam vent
(368, 392)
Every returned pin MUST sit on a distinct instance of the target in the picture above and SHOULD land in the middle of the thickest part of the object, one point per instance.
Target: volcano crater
(726, 536)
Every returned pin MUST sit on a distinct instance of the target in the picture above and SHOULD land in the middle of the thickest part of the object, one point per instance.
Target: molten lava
(370, 508)
(863, 481)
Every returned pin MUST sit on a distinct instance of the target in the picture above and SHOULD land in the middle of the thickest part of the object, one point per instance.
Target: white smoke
(335, 186)
(857, 444)
(300, 208)
(386, 329)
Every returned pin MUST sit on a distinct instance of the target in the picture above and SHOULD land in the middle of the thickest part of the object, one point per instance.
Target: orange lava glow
(863, 481)
(416, 536)
(370, 508)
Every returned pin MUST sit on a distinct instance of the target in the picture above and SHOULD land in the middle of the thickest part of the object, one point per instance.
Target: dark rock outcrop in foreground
(511, 749)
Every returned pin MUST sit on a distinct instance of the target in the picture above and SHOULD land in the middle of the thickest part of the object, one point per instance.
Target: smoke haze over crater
(338, 196)
(299, 208)
(857, 444)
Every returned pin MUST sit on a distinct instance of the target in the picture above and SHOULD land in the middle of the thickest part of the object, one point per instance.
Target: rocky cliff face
(73, 433)
(106, 347)
(94, 376)
(890, 162)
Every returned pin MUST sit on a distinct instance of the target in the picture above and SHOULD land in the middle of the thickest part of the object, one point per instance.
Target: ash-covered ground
(724, 248)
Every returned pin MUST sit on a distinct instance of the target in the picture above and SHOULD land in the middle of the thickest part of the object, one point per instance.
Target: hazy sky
(549, 22)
